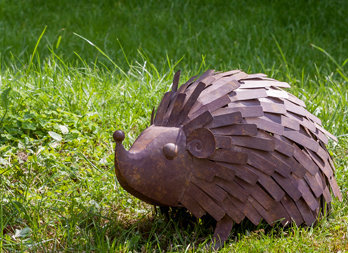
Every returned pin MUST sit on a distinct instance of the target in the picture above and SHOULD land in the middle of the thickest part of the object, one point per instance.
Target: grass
(103, 65)
(227, 35)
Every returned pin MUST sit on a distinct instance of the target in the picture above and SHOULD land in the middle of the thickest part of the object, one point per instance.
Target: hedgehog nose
(118, 136)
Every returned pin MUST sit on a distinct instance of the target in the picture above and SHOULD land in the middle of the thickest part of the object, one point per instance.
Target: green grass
(62, 98)
(227, 35)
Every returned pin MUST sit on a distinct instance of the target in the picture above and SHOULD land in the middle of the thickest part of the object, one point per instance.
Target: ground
(74, 72)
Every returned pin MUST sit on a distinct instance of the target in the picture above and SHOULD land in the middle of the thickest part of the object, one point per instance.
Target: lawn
(73, 72)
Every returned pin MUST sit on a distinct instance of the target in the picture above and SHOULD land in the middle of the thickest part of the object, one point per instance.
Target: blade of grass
(104, 54)
(341, 70)
(35, 49)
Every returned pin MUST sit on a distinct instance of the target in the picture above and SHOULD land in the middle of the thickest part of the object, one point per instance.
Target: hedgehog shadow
(185, 221)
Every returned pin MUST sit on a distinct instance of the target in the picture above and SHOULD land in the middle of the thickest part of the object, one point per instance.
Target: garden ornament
(234, 146)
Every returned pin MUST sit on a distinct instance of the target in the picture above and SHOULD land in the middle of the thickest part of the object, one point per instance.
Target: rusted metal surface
(234, 146)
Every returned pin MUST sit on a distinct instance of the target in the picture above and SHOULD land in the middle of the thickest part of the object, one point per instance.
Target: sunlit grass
(59, 190)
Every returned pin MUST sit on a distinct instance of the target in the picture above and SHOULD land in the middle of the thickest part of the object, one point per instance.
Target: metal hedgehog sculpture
(233, 146)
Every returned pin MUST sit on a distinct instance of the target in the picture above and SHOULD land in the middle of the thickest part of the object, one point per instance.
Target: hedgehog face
(168, 140)
(157, 165)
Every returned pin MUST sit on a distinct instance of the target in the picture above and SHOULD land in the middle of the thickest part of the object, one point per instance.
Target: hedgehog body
(234, 146)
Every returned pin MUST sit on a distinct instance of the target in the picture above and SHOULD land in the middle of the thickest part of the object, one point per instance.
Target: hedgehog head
(157, 166)
(153, 167)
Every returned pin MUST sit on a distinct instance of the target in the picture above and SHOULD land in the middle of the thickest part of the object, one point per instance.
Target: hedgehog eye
(170, 150)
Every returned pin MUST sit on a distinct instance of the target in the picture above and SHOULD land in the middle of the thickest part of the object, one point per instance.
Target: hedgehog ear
(201, 143)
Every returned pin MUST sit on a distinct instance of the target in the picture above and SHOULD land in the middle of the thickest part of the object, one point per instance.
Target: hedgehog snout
(119, 136)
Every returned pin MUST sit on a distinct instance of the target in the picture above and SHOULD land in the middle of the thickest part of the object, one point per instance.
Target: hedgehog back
(270, 161)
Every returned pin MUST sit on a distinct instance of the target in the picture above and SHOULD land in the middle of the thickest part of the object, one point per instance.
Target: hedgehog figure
(233, 146)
